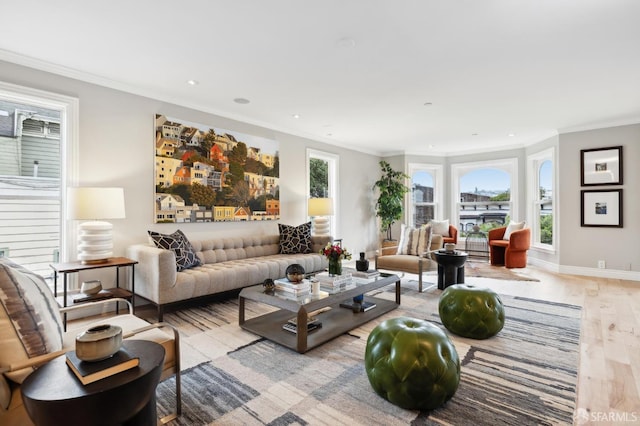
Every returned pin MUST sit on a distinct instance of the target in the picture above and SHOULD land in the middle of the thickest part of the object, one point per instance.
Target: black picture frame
(601, 166)
(601, 208)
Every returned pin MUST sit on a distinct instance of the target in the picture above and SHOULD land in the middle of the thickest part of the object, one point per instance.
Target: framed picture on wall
(601, 166)
(601, 208)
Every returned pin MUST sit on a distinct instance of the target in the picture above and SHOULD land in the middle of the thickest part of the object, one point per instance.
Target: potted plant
(390, 202)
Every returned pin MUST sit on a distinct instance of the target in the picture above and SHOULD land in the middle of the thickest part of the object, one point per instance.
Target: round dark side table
(53, 395)
(450, 267)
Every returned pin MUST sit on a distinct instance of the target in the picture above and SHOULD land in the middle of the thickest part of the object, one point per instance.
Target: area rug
(485, 270)
(525, 375)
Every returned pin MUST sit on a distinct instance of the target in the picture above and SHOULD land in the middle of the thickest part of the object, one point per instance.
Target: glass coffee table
(325, 306)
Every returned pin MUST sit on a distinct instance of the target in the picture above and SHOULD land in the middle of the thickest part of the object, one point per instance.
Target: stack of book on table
(89, 372)
(371, 273)
(291, 288)
(334, 282)
(292, 325)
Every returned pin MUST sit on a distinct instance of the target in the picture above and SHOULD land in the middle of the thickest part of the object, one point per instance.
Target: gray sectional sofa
(225, 264)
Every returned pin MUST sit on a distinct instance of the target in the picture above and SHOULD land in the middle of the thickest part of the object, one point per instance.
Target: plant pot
(389, 247)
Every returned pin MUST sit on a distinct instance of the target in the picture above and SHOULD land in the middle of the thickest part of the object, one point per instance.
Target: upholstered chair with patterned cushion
(413, 254)
(31, 334)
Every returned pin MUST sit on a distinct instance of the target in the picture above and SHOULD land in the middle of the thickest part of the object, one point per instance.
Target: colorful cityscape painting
(206, 174)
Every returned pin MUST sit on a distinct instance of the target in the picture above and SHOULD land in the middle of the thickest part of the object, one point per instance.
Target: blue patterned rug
(525, 375)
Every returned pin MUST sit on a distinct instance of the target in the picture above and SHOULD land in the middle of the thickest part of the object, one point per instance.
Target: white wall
(116, 149)
(582, 247)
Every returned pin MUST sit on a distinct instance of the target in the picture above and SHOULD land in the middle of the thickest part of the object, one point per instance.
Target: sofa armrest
(155, 271)
(520, 239)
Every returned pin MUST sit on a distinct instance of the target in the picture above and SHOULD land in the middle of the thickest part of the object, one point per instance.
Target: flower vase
(335, 267)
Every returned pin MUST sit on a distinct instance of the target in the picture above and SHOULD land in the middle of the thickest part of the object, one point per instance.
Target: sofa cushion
(30, 323)
(414, 241)
(513, 226)
(295, 239)
(440, 227)
(178, 243)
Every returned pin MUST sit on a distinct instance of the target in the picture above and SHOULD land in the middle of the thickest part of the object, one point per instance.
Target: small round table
(450, 267)
(53, 395)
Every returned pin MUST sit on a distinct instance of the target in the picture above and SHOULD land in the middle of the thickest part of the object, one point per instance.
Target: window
(322, 181)
(485, 194)
(541, 183)
(43, 129)
(425, 196)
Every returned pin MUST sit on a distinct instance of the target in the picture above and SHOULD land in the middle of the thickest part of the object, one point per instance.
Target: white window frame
(437, 171)
(534, 161)
(69, 151)
(333, 161)
(509, 165)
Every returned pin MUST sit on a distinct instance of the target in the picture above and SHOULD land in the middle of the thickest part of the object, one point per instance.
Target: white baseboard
(589, 272)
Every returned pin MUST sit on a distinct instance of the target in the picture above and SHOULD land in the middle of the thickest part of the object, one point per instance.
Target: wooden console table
(74, 267)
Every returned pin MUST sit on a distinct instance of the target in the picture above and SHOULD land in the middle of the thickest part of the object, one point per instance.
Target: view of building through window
(422, 186)
(30, 164)
(485, 199)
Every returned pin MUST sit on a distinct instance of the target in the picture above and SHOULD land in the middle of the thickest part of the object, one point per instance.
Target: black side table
(53, 395)
(450, 268)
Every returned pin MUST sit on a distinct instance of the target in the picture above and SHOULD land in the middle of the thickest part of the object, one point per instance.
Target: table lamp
(319, 209)
(95, 241)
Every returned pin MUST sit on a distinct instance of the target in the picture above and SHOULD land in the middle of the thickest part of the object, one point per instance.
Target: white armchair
(37, 311)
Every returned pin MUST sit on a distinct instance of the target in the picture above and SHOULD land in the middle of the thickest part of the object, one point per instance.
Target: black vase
(362, 264)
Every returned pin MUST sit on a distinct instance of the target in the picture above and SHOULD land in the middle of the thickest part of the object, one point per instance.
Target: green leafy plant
(390, 202)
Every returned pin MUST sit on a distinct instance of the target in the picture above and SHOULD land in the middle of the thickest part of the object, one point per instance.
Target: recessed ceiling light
(296, 116)
(346, 42)
(192, 82)
(474, 134)
(329, 134)
(428, 103)
(430, 146)
(242, 101)
(512, 135)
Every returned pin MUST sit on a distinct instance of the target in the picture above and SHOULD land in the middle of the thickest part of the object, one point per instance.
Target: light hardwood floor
(609, 370)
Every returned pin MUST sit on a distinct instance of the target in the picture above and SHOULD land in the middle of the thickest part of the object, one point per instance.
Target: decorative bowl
(99, 342)
(295, 273)
(91, 287)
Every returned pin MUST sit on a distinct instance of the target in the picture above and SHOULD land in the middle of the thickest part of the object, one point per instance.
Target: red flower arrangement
(335, 252)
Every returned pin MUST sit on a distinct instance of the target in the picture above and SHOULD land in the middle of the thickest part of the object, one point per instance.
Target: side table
(53, 395)
(450, 267)
(65, 269)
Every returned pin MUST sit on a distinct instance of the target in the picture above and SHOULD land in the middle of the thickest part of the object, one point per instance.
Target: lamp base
(321, 226)
(95, 242)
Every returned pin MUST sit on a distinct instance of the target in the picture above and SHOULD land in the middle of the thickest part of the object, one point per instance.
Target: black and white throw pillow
(178, 243)
(295, 239)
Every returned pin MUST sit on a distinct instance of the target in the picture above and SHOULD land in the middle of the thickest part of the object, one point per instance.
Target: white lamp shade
(95, 240)
(320, 207)
(95, 203)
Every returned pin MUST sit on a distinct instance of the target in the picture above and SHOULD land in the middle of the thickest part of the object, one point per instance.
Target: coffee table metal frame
(335, 321)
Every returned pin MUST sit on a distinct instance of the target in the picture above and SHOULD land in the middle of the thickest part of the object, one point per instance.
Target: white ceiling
(358, 72)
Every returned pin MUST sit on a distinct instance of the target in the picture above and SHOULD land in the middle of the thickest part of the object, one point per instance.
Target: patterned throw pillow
(513, 226)
(414, 241)
(30, 322)
(440, 227)
(295, 239)
(178, 243)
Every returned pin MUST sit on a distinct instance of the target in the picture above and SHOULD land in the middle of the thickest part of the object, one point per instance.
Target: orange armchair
(511, 253)
(453, 236)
